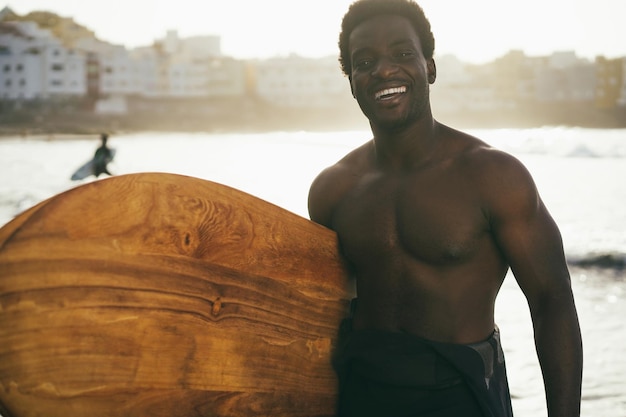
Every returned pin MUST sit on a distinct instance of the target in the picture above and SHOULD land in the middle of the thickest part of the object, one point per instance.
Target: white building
(151, 68)
(226, 77)
(187, 78)
(119, 73)
(301, 82)
(565, 59)
(64, 72)
(452, 89)
(33, 64)
(194, 67)
(208, 46)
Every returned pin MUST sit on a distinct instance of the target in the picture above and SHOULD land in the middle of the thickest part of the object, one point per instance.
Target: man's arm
(531, 242)
(320, 208)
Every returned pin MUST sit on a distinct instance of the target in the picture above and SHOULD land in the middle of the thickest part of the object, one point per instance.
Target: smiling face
(390, 77)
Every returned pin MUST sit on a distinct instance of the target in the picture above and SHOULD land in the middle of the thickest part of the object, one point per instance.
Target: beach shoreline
(77, 118)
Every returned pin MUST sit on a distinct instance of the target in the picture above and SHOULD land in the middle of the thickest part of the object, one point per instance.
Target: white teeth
(389, 91)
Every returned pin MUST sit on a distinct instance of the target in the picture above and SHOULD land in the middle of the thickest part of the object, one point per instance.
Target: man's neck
(406, 147)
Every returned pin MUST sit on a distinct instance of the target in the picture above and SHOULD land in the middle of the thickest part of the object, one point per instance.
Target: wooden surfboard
(164, 295)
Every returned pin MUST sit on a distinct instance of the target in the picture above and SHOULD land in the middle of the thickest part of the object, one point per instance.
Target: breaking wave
(608, 260)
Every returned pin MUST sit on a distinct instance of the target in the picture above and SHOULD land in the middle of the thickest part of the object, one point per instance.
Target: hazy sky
(475, 31)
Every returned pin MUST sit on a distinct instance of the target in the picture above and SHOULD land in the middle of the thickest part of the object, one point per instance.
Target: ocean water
(580, 174)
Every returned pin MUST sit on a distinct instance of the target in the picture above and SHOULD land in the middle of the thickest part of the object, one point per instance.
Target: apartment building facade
(300, 82)
(610, 88)
(35, 65)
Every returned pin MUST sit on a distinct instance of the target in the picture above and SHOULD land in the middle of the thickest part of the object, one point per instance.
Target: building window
(19, 67)
(57, 67)
(7, 68)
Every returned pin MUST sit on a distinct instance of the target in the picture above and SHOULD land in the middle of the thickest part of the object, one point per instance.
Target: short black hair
(362, 10)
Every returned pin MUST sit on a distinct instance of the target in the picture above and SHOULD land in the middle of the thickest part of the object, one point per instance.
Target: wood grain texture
(164, 295)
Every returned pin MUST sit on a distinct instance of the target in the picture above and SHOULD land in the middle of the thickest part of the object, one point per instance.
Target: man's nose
(384, 68)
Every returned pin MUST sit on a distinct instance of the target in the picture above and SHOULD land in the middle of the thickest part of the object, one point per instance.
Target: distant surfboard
(88, 168)
(167, 296)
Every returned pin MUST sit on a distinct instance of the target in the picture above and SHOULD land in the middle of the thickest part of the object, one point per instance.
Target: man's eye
(363, 63)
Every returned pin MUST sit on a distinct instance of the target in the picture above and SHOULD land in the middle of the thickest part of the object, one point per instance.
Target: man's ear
(432, 70)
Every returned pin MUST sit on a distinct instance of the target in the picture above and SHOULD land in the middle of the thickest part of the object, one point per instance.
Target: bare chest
(435, 219)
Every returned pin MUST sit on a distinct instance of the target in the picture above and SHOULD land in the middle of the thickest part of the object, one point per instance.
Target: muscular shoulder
(333, 182)
(502, 183)
(506, 187)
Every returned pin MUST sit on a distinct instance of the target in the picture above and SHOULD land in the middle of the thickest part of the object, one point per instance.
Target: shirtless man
(430, 220)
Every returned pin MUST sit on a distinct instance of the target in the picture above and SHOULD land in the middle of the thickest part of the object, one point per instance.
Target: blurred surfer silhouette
(102, 157)
(98, 164)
